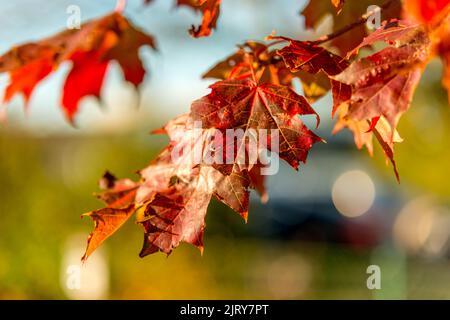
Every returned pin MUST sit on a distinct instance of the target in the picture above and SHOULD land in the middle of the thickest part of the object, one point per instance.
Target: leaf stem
(353, 25)
(120, 6)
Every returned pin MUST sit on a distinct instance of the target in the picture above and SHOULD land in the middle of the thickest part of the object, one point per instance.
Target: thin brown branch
(363, 19)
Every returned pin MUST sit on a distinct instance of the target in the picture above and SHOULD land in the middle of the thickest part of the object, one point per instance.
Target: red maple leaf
(314, 59)
(90, 49)
(245, 104)
(383, 84)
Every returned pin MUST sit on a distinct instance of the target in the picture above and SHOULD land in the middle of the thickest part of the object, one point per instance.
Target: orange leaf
(107, 221)
(210, 10)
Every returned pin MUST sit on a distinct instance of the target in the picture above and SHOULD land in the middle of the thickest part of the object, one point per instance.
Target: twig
(353, 25)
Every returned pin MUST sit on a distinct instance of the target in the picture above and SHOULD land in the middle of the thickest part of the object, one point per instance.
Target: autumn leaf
(107, 221)
(90, 49)
(119, 197)
(176, 190)
(189, 146)
(383, 83)
(252, 58)
(381, 86)
(313, 59)
(270, 68)
(175, 211)
(85, 65)
(210, 10)
(24, 79)
(245, 104)
(176, 214)
(387, 137)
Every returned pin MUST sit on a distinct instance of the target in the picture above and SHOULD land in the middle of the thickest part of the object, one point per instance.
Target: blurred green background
(298, 246)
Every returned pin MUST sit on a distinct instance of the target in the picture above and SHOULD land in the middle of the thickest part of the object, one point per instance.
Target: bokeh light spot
(353, 193)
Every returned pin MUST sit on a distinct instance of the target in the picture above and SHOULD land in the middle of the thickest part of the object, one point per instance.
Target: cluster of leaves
(174, 192)
(254, 91)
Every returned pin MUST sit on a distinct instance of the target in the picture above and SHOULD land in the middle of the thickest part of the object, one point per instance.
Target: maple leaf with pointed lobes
(309, 57)
(90, 49)
(119, 196)
(383, 83)
(187, 150)
(313, 59)
(381, 86)
(270, 68)
(176, 214)
(232, 187)
(316, 10)
(176, 191)
(210, 10)
(245, 104)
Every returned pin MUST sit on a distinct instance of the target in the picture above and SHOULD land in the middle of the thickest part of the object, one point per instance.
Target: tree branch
(353, 25)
